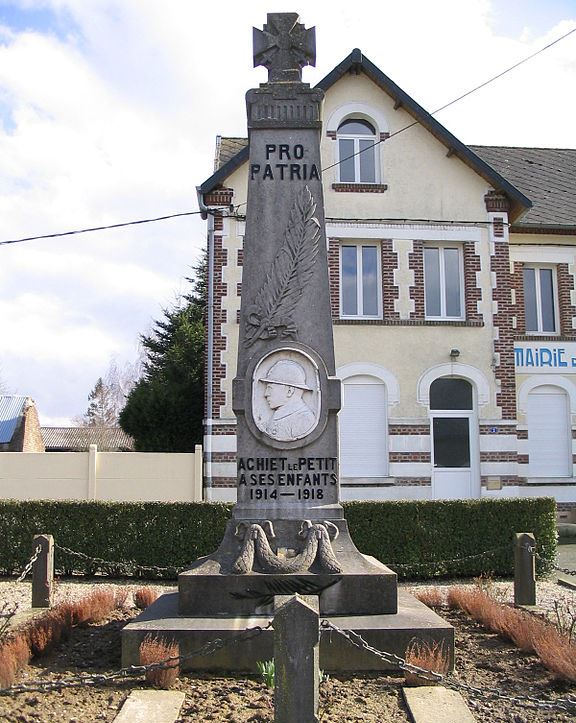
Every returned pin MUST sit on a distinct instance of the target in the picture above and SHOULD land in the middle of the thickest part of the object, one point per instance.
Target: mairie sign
(545, 358)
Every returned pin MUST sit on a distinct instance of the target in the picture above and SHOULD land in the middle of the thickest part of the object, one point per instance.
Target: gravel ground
(483, 660)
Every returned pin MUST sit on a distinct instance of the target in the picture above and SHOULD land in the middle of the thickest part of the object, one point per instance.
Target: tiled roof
(108, 439)
(11, 410)
(227, 148)
(546, 175)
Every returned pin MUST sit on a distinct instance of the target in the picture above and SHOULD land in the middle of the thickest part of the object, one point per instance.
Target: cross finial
(284, 47)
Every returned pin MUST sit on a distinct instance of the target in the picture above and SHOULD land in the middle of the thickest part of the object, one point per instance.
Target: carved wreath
(270, 316)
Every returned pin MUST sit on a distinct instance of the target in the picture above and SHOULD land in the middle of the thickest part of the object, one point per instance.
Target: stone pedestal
(391, 633)
(287, 534)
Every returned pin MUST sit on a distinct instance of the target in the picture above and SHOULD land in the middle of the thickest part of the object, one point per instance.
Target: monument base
(390, 633)
(362, 586)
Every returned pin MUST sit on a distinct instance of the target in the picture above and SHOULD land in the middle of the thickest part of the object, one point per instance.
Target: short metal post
(43, 572)
(524, 569)
(296, 659)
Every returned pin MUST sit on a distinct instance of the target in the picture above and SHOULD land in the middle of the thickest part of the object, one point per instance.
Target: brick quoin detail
(517, 282)
(334, 276)
(504, 345)
(416, 264)
(498, 225)
(472, 293)
(565, 282)
(390, 291)
(224, 482)
(220, 290)
(223, 456)
(224, 430)
(498, 457)
(411, 429)
(409, 457)
(240, 257)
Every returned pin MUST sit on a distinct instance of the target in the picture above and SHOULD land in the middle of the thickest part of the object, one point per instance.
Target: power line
(459, 98)
(101, 228)
(401, 130)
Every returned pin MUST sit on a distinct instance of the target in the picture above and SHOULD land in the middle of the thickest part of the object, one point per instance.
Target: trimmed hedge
(417, 536)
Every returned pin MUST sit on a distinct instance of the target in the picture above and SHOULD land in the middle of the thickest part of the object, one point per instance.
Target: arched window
(357, 152)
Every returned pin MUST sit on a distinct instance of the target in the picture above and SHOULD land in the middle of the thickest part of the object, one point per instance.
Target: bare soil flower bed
(483, 660)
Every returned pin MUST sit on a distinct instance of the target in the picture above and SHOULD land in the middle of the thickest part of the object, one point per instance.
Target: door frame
(473, 432)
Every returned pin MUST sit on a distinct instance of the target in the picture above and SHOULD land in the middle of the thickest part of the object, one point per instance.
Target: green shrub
(414, 538)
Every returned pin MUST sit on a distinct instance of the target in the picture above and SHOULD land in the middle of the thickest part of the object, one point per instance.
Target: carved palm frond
(291, 270)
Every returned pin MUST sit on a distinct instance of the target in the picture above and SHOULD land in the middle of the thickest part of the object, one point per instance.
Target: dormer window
(357, 151)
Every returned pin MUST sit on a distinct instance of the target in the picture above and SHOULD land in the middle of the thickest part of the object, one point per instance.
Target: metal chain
(127, 566)
(442, 562)
(30, 563)
(77, 681)
(532, 549)
(563, 704)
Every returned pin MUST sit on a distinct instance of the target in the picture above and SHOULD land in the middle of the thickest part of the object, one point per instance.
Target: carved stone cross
(284, 47)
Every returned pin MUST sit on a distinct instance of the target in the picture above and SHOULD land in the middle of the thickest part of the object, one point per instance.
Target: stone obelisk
(288, 519)
(287, 533)
(285, 395)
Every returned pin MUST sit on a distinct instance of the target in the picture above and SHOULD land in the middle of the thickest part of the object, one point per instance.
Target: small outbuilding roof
(11, 410)
(108, 439)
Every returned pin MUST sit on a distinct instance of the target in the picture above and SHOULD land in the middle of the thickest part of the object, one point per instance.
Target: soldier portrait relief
(286, 397)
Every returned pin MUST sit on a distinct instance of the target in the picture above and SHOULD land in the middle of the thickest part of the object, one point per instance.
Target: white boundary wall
(93, 475)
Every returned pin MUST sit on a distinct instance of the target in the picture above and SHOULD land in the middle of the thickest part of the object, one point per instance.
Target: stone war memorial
(288, 533)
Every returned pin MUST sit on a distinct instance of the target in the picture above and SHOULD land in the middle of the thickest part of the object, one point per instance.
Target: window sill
(405, 322)
(359, 187)
(544, 337)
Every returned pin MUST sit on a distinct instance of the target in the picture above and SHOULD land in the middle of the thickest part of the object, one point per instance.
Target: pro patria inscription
(284, 163)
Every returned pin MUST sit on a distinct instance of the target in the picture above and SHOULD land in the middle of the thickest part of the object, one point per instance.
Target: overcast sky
(109, 110)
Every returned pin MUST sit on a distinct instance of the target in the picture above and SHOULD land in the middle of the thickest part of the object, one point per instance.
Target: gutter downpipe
(207, 214)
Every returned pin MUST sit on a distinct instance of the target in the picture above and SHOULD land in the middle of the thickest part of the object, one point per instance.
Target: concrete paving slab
(436, 704)
(151, 706)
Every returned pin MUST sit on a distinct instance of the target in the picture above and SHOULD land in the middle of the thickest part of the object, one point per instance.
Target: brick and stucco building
(452, 273)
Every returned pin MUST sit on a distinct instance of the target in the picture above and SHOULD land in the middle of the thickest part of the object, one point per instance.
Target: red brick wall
(390, 292)
(220, 290)
(334, 276)
(472, 293)
(565, 282)
(504, 344)
(416, 263)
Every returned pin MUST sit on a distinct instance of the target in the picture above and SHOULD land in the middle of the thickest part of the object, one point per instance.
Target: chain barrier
(133, 671)
(30, 563)
(127, 567)
(130, 567)
(416, 565)
(565, 570)
(562, 704)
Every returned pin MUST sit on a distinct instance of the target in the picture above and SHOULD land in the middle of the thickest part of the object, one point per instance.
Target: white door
(452, 456)
(549, 433)
(363, 428)
(454, 434)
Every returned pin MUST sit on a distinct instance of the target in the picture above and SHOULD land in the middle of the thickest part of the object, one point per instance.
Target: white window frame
(443, 316)
(359, 296)
(554, 270)
(356, 138)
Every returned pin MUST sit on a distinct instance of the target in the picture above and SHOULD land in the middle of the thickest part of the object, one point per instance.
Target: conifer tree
(164, 410)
